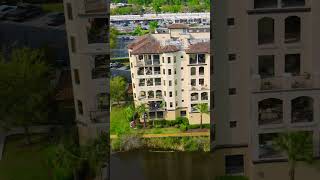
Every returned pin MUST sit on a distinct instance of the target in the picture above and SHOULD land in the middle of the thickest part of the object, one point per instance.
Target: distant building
(173, 68)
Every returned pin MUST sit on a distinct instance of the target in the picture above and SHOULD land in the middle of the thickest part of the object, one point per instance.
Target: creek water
(161, 166)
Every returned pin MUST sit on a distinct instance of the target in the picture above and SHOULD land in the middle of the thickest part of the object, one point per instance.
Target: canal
(161, 166)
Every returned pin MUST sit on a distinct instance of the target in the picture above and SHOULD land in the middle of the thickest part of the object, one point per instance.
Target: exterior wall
(93, 120)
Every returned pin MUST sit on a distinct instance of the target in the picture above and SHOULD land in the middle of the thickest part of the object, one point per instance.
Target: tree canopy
(117, 89)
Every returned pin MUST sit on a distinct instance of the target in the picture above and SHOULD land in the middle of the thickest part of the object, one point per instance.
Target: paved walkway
(14, 131)
(186, 134)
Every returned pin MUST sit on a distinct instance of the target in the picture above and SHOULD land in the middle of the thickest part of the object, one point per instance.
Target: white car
(5, 9)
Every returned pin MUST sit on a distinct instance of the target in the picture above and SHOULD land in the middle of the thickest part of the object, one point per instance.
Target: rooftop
(178, 26)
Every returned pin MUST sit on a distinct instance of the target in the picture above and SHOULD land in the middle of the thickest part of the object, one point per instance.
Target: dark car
(5, 9)
(24, 12)
(56, 19)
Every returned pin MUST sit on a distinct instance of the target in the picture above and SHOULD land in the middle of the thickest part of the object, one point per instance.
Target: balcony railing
(285, 82)
(302, 116)
(268, 151)
(100, 73)
(268, 118)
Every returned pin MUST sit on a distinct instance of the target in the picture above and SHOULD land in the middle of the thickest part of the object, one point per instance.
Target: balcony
(97, 31)
(302, 109)
(99, 116)
(96, 6)
(98, 73)
(285, 82)
(157, 82)
(266, 146)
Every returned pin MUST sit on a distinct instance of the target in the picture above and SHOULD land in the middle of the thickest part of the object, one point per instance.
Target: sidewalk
(14, 131)
(192, 134)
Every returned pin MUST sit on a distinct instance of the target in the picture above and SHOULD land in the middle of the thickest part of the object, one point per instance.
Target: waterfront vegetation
(130, 139)
(162, 6)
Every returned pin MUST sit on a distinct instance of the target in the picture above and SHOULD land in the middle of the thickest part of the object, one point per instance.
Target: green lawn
(170, 130)
(52, 7)
(22, 161)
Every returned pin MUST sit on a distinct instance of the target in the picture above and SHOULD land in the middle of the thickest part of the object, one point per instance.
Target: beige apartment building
(172, 68)
(87, 30)
(268, 81)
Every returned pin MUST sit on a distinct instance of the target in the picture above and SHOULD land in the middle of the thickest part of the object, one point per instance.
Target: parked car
(5, 9)
(24, 12)
(57, 19)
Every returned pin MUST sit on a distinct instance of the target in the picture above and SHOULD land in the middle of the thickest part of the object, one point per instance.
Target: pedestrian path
(19, 130)
(186, 134)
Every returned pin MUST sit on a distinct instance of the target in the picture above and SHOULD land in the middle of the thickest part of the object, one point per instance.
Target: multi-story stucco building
(174, 68)
(87, 30)
(268, 82)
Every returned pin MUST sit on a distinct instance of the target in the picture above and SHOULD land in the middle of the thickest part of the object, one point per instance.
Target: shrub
(183, 127)
(197, 126)
(182, 120)
(130, 142)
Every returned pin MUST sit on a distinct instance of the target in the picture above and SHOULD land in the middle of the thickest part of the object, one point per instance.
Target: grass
(170, 130)
(22, 161)
(52, 7)
(231, 178)
(118, 123)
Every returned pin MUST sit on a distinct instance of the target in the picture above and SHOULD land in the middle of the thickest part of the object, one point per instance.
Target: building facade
(267, 71)
(170, 73)
(87, 25)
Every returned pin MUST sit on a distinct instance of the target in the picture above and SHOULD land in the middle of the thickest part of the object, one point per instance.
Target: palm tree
(203, 109)
(143, 111)
(297, 146)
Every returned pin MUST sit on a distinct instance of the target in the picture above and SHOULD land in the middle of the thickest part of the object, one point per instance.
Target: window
(293, 3)
(69, 11)
(171, 104)
(204, 96)
(266, 31)
(162, 59)
(234, 164)
(183, 113)
(193, 71)
(292, 64)
(170, 83)
(201, 58)
(265, 4)
(292, 29)
(175, 71)
(150, 94)
(201, 70)
(181, 57)
(142, 94)
(175, 82)
(174, 59)
(169, 71)
(73, 43)
(193, 82)
(302, 109)
(182, 79)
(201, 82)
(164, 82)
(170, 94)
(232, 91)
(76, 76)
(230, 21)
(181, 68)
(80, 107)
(266, 66)
(233, 124)
(232, 57)
(169, 60)
(133, 85)
(176, 93)
(164, 93)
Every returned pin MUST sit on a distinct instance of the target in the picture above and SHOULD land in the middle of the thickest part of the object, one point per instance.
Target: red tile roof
(202, 47)
(178, 26)
(169, 49)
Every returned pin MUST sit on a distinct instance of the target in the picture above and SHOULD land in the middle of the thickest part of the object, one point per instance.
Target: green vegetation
(117, 89)
(52, 7)
(297, 146)
(114, 32)
(231, 178)
(26, 69)
(203, 109)
(17, 157)
(159, 6)
(131, 142)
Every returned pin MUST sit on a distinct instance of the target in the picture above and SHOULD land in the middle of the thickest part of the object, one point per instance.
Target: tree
(138, 31)
(297, 146)
(113, 37)
(24, 89)
(153, 25)
(203, 109)
(129, 113)
(156, 7)
(143, 111)
(117, 89)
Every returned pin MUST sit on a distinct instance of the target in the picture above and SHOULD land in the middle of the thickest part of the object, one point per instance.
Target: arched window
(142, 94)
(150, 94)
(270, 111)
(201, 70)
(194, 96)
(204, 96)
(266, 31)
(158, 94)
(302, 109)
(193, 71)
(292, 29)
